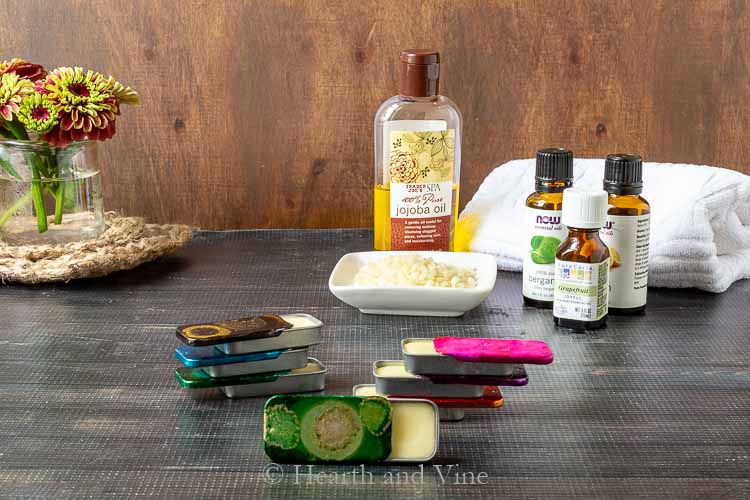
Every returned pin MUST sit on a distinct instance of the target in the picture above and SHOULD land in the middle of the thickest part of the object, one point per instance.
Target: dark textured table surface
(653, 406)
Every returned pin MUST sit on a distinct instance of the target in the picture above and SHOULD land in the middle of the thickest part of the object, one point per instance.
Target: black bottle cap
(554, 164)
(623, 174)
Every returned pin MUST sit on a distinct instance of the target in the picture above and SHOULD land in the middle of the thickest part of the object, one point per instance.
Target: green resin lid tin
(309, 378)
(336, 429)
(327, 429)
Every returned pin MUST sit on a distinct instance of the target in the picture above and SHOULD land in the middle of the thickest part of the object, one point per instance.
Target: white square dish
(413, 300)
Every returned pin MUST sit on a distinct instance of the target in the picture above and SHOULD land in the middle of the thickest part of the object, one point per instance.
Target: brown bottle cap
(420, 73)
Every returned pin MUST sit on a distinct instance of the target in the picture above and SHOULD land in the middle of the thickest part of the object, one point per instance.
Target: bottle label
(581, 290)
(420, 170)
(545, 233)
(627, 238)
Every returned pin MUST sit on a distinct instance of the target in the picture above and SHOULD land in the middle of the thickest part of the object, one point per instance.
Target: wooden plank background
(259, 114)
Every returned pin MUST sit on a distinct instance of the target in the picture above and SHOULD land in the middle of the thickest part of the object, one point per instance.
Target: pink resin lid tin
(442, 364)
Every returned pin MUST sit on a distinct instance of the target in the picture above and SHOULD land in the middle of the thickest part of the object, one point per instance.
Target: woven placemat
(127, 242)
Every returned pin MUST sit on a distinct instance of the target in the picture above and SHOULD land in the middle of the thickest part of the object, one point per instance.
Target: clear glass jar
(49, 195)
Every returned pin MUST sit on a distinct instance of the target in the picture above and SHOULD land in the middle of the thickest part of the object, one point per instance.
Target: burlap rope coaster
(127, 242)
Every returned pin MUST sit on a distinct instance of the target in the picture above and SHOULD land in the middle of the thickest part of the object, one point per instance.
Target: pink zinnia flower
(12, 91)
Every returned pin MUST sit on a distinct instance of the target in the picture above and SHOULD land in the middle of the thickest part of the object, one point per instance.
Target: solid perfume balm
(626, 233)
(417, 160)
(544, 230)
(582, 262)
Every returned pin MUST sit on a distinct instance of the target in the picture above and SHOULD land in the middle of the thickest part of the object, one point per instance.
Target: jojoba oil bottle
(417, 160)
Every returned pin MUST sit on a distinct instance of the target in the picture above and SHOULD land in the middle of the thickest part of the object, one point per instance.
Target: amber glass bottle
(544, 229)
(626, 233)
(582, 263)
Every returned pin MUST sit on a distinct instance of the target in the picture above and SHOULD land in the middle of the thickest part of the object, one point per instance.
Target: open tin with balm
(336, 429)
(310, 378)
(450, 409)
(446, 414)
(479, 359)
(392, 378)
(421, 358)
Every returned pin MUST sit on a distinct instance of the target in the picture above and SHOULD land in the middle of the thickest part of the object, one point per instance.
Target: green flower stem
(17, 130)
(54, 169)
(38, 196)
(37, 192)
(59, 199)
(18, 205)
(9, 168)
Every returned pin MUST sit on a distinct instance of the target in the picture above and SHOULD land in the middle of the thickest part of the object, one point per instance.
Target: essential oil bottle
(417, 160)
(626, 233)
(544, 229)
(582, 263)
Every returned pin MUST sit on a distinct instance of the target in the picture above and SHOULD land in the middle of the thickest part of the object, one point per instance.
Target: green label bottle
(544, 229)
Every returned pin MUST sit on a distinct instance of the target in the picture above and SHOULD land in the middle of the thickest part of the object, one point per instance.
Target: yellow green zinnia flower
(12, 90)
(86, 104)
(37, 113)
(124, 94)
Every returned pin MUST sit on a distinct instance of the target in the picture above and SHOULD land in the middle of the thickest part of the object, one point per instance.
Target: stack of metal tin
(250, 357)
(456, 381)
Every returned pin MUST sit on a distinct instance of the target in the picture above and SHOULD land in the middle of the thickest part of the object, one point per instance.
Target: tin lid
(533, 352)
(491, 397)
(195, 357)
(518, 378)
(255, 327)
(196, 378)
(327, 428)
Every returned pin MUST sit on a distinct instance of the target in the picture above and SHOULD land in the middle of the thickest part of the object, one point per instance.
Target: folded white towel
(700, 220)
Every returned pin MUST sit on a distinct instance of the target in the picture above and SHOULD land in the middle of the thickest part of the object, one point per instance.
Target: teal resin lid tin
(217, 364)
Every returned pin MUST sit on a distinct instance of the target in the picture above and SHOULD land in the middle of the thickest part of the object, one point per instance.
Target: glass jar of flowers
(50, 123)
